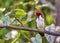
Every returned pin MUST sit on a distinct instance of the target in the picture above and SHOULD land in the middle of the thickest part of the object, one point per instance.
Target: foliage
(37, 39)
(20, 9)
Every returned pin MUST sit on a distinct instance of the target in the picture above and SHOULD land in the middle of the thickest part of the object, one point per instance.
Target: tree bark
(57, 16)
(58, 12)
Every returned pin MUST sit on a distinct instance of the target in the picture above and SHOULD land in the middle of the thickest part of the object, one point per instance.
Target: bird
(40, 22)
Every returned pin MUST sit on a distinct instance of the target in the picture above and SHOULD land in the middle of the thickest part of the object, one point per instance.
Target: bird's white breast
(40, 22)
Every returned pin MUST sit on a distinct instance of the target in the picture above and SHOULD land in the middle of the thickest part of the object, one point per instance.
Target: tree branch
(28, 29)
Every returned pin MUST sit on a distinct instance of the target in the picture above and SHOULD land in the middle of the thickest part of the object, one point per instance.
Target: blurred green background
(9, 9)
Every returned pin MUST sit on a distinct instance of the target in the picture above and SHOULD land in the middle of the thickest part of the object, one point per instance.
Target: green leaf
(2, 9)
(33, 40)
(3, 32)
(20, 13)
(31, 2)
(49, 19)
(37, 39)
(6, 20)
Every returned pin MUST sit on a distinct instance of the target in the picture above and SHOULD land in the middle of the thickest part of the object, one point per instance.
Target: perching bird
(40, 22)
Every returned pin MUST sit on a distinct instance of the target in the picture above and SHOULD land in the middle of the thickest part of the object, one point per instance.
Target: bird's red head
(39, 13)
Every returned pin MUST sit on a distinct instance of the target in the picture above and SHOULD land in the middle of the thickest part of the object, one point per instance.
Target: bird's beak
(38, 16)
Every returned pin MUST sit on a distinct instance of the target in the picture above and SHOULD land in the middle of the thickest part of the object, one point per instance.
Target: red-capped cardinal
(40, 21)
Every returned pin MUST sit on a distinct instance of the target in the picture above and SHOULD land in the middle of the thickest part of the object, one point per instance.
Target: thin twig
(13, 21)
(19, 21)
(22, 26)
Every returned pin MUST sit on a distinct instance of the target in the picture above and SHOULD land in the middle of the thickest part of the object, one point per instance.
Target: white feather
(40, 22)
